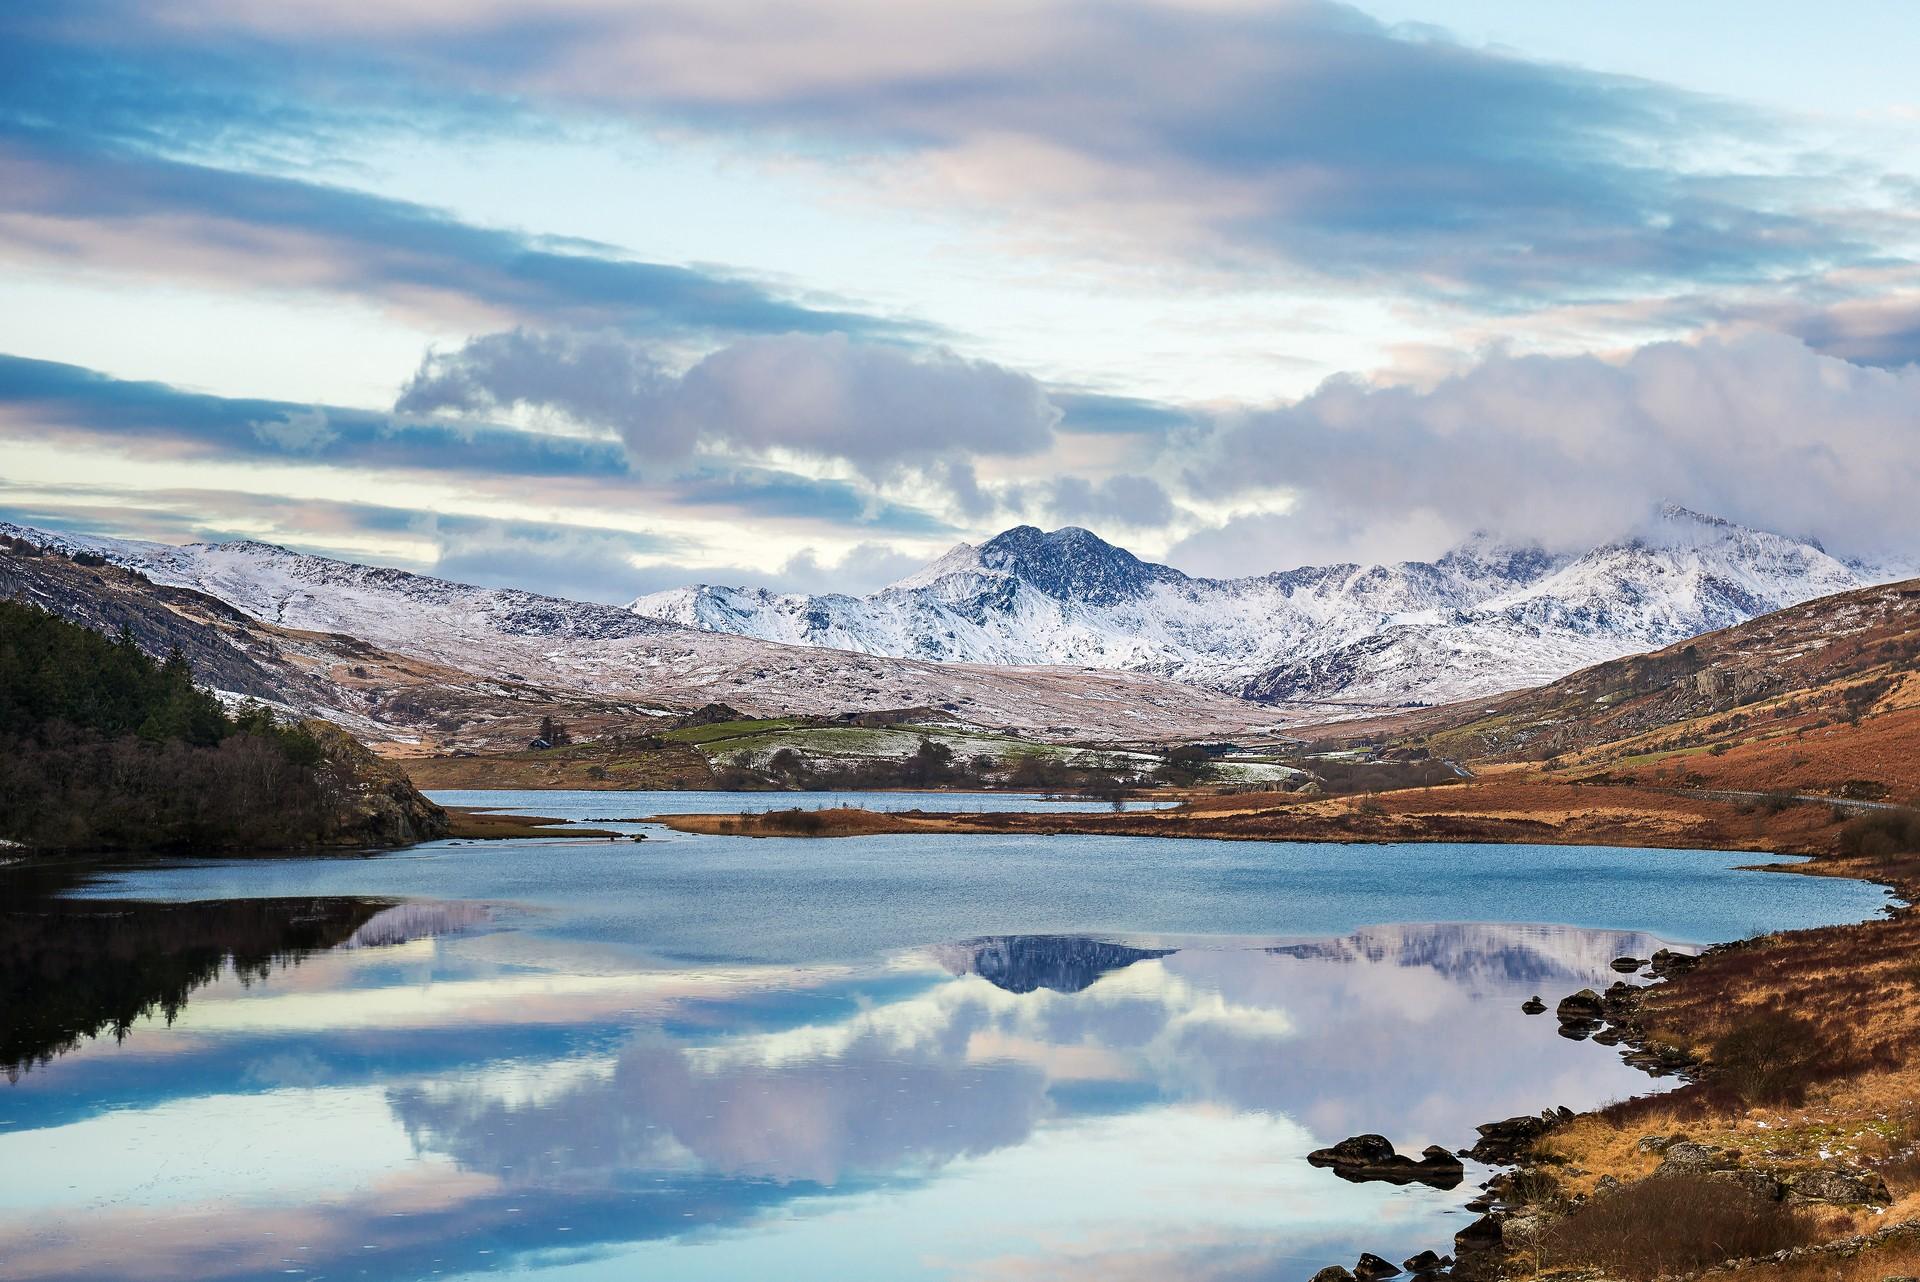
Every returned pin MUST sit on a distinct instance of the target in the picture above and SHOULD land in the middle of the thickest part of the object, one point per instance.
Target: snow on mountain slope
(1484, 618)
(604, 651)
(1688, 575)
(1067, 597)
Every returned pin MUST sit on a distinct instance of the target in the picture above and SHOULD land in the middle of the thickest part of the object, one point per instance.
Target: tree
(931, 762)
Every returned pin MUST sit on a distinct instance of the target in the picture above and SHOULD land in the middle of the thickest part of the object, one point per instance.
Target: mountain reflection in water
(321, 1086)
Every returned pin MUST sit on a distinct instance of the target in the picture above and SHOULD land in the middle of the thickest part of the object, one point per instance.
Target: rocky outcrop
(1666, 963)
(1502, 1142)
(1372, 1268)
(1365, 1158)
(375, 804)
(1838, 1185)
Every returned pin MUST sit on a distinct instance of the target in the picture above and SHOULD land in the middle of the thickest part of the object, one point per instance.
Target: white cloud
(1752, 426)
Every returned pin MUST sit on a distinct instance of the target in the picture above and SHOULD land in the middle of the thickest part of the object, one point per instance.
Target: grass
(1670, 1225)
(474, 825)
(723, 730)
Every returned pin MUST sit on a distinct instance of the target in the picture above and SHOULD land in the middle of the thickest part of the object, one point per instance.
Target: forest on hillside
(103, 747)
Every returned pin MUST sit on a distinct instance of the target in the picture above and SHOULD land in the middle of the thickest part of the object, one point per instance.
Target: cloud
(1753, 426)
(54, 399)
(820, 396)
(75, 200)
(863, 568)
(1137, 501)
(1099, 414)
(299, 431)
(1318, 137)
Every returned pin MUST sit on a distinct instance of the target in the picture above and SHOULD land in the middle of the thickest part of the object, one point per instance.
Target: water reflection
(1023, 963)
(72, 970)
(381, 1089)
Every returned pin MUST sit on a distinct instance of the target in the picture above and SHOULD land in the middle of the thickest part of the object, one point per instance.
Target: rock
(1579, 1015)
(1690, 1157)
(1364, 1158)
(1606, 1184)
(1372, 1268)
(1355, 1150)
(1500, 1142)
(1477, 1248)
(1626, 965)
(1840, 1185)
(375, 803)
(1584, 1004)
(1332, 1273)
(1533, 1005)
(1657, 1061)
(1666, 963)
(1659, 1143)
(1761, 1184)
(1425, 1262)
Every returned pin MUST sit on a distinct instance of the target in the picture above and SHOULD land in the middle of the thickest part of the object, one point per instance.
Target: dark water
(717, 1058)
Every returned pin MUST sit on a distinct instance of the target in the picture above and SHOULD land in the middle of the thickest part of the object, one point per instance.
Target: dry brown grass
(472, 825)
(1672, 1225)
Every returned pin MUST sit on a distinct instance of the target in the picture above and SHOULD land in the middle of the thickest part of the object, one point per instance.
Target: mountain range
(1058, 634)
(392, 655)
(1486, 617)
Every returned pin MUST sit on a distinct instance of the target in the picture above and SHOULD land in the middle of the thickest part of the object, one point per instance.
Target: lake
(941, 1057)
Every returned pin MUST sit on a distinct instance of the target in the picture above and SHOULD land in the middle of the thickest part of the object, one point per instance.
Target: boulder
(1666, 963)
(1425, 1262)
(1500, 1142)
(1371, 1268)
(1626, 965)
(1479, 1248)
(1659, 1143)
(1363, 1158)
(1354, 1151)
(1533, 1005)
(1839, 1185)
(1690, 1157)
(1585, 1004)
(1761, 1184)
(1332, 1273)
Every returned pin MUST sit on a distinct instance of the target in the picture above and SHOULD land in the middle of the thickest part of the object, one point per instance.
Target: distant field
(583, 766)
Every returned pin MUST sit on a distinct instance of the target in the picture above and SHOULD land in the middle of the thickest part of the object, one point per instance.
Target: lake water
(942, 1057)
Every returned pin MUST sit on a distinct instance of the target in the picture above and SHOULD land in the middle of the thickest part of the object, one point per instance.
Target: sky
(599, 297)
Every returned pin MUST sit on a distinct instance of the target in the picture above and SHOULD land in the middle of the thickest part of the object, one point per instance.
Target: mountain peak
(1071, 564)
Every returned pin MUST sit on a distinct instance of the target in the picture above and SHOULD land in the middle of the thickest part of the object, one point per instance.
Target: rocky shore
(1791, 1149)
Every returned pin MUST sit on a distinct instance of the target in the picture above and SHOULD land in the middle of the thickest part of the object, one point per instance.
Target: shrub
(1767, 1058)
(1671, 1224)
(797, 822)
(1882, 832)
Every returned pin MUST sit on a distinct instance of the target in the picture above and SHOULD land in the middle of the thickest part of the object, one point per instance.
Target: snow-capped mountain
(1486, 617)
(493, 639)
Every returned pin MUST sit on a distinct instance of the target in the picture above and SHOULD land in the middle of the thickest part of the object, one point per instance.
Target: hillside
(104, 748)
(1820, 698)
(1485, 617)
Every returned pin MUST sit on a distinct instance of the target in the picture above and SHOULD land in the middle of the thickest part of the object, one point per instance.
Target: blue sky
(607, 297)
